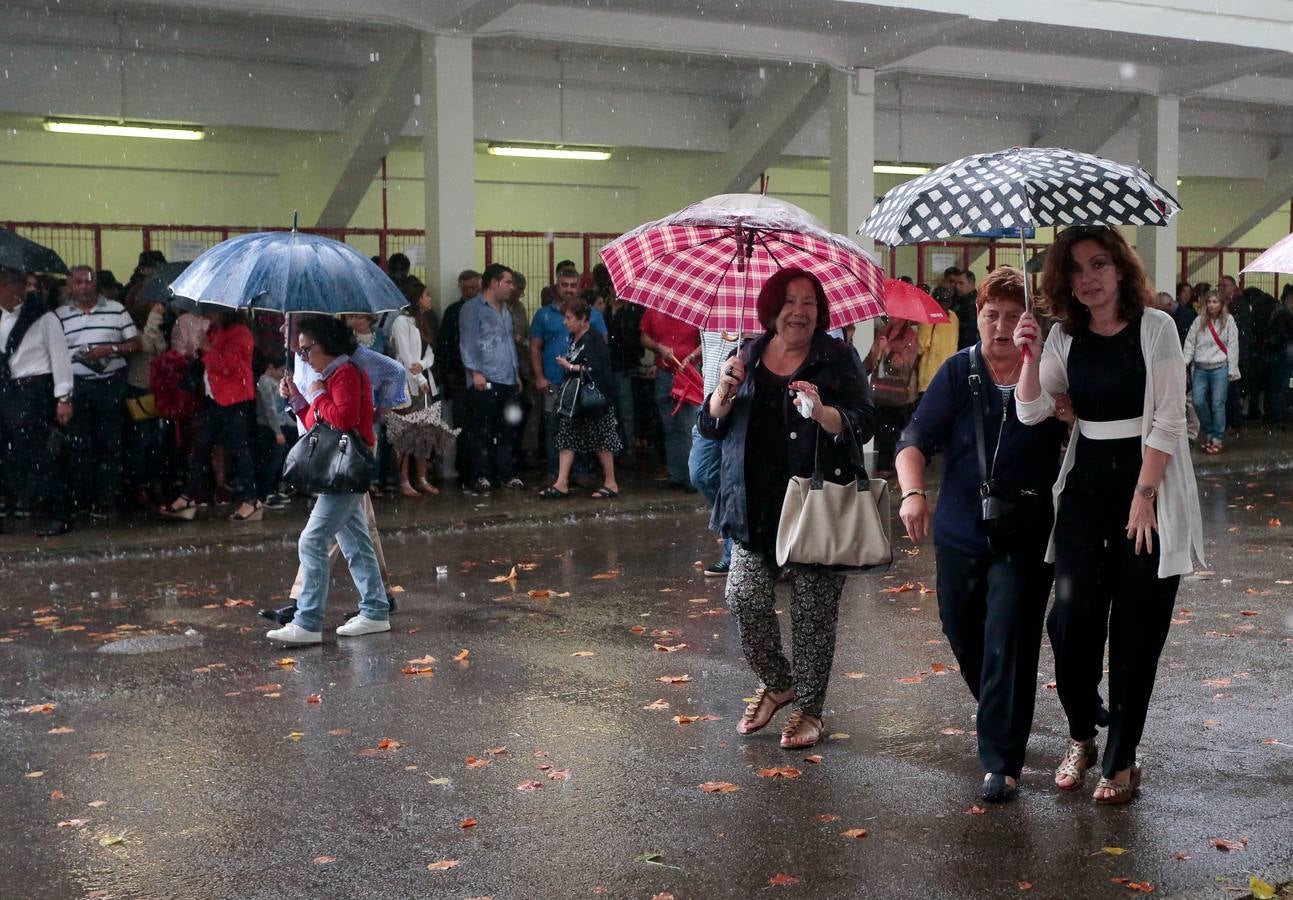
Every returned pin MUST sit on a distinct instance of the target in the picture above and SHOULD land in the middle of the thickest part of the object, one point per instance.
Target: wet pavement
(183, 756)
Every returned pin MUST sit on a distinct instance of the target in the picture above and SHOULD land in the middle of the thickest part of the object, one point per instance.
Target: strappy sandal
(408, 490)
(426, 487)
(1120, 793)
(551, 493)
(604, 493)
(802, 730)
(1081, 756)
(256, 514)
(185, 512)
(761, 710)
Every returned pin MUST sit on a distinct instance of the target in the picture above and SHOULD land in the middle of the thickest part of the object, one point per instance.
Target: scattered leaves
(856, 834)
(911, 679)
(814, 758)
(427, 660)
(606, 576)
(45, 708)
(39, 773)
(504, 579)
(1113, 851)
(658, 705)
(1274, 523)
(388, 744)
(1143, 887)
(108, 840)
(461, 655)
(474, 763)
(73, 823)
(1225, 845)
(781, 879)
(442, 865)
(418, 670)
(529, 787)
(559, 775)
(687, 720)
(674, 679)
(1261, 890)
(543, 594)
(827, 817)
(900, 589)
(786, 772)
(666, 648)
(57, 795)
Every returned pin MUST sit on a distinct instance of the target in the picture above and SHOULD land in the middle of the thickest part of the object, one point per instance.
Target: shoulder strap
(1212, 329)
(976, 401)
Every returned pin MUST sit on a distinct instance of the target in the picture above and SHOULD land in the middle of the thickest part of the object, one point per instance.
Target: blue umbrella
(288, 272)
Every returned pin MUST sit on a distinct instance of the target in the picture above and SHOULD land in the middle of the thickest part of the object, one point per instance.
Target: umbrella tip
(295, 214)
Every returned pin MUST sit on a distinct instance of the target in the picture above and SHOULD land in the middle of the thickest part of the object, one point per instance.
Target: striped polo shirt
(107, 323)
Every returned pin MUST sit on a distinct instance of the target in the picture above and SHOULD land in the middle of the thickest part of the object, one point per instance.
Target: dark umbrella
(157, 287)
(21, 255)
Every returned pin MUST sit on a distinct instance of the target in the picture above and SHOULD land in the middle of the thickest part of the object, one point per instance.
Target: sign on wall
(181, 250)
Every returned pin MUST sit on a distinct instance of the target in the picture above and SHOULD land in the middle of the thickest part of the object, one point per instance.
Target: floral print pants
(814, 610)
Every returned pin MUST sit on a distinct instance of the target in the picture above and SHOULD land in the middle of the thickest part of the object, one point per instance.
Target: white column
(449, 160)
(1160, 155)
(852, 182)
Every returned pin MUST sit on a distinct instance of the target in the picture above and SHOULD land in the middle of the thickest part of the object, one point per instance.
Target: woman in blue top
(993, 580)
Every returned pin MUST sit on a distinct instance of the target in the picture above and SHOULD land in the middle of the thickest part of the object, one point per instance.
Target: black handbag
(579, 396)
(329, 461)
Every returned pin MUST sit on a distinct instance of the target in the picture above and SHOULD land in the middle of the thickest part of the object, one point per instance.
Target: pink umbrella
(1279, 258)
(706, 264)
(906, 301)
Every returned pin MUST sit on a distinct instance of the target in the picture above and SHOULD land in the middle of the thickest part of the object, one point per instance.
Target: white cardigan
(406, 342)
(1180, 525)
(1201, 348)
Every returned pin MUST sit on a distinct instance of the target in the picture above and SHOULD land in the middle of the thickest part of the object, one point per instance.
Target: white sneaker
(358, 625)
(291, 633)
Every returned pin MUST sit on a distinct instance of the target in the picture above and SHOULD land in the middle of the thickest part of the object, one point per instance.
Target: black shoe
(390, 598)
(997, 790)
(718, 569)
(1102, 716)
(280, 616)
(53, 529)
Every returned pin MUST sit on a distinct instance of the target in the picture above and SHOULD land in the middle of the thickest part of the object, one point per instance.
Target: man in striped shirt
(100, 335)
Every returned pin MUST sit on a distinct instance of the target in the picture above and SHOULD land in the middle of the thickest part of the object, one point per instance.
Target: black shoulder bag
(579, 396)
(330, 461)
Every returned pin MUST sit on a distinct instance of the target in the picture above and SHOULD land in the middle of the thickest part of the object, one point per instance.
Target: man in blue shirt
(492, 370)
(549, 338)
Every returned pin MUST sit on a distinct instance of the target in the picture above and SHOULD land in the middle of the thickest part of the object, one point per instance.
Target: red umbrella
(906, 301)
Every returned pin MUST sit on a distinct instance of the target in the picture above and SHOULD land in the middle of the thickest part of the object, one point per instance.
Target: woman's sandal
(802, 730)
(257, 513)
(761, 710)
(1120, 792)
(408, 490)
(427, 487)
(604, 493)
(186, 512)
(551, 493)
(1081, 756)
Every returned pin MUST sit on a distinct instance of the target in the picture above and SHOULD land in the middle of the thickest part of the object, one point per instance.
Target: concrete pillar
(449, 160)
(1160, 119)
(852, 181)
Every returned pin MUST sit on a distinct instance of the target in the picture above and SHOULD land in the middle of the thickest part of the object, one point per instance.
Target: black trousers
(1105, 592)
(27, 466)
(490, 437)
(227, 426)
(992, 607)
(97, 430)
(889, 423)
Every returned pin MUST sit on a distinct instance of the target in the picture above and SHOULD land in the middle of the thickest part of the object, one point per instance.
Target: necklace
(1012, 378)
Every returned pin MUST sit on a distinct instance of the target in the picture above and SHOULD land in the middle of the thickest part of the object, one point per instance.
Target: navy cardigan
(834, 368)
(944, 421)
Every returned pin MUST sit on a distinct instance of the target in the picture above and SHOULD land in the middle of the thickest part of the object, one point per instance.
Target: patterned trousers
(814, 610)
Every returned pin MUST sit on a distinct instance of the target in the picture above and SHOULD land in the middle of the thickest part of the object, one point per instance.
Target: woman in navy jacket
(993, 580)
(766, 441)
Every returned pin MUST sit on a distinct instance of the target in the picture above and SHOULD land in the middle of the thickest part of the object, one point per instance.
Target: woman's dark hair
(773, 296)
(412, 290)
(1134, 291)
(1184, 286)
(333, 336)
(222, 316)
(1286, 294)
(579, 308)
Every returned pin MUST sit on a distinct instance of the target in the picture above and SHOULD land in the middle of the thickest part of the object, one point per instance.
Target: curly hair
(1134, 291)
(1004, 283)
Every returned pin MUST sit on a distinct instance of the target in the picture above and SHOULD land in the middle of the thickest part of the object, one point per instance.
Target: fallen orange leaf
(900, 589)
(559, 775)
(606, 576)
(324, 860)
(583, 653)
(529, 787)
(461, 655)
(827, 817)
(502, 579)
(1274, 523)
(815, 758)
(467, 823)
(541, 594)
(285, 663)
(314, 698)
(914, 679)
(976, 810)
(388, 744)
(99, 755)
(719, 787)
(418, 670)
(687, 720)
(1225, 845)
(787, 772)
(495, 751)
(339, 732)
(1025, 885)
(62, 729)
(781, 879)
(72, 823)
(267, 688)
(57, 795)
(39, 773)
(938, 668)
(233, 602)
(665, 648)
(674, 679)
(423, 661)
(474, 763)
(856, 833)
(638, 629)
(442, 865)
(39, 708)
(659, 704)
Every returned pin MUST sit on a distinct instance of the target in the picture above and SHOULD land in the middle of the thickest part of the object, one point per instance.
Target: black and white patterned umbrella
(1023, 187)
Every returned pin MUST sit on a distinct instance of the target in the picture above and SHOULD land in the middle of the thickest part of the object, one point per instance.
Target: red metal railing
(536, 253)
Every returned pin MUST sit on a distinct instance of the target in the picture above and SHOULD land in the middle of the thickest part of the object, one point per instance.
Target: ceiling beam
(472, 15)
(887, 48)
(1179, 81)
(1090, 123)
(381, 107)
(772, 121)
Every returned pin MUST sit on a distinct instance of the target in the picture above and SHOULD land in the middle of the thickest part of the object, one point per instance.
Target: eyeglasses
(304, 352)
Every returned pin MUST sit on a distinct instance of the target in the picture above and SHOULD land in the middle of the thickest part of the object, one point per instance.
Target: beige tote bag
(828, 524)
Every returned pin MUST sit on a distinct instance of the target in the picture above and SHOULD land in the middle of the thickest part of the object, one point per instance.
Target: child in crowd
(275, 435)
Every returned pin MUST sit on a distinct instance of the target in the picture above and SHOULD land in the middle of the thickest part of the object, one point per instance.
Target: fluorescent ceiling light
(124, 129)
(533, 152)
(883, 169)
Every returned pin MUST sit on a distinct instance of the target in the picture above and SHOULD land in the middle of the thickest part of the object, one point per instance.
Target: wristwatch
(1149, 492)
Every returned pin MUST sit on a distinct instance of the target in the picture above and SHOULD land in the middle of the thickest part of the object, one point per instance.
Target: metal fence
(536, 253)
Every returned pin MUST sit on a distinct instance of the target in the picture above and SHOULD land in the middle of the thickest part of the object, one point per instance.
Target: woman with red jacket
(338, 394)
(225, 416)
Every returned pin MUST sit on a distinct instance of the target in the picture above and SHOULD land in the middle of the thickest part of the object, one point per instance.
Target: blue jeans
(341, 515)
(677, 427)
(703, 467)
(1210, 387)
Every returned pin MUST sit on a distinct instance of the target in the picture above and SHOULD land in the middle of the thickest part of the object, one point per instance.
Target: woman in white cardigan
(410, 346)
(1127, 510)
(1212, 348)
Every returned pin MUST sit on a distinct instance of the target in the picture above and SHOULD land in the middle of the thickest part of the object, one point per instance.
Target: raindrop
(1127, 71)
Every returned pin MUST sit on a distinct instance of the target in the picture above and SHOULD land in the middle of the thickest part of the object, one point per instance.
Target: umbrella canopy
(906, 301)
(1279, 258)
(1023, 187)
(288, 272)
(21, 255)
(706, 264)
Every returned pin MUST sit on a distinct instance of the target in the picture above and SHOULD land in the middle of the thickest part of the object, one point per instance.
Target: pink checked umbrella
(906, 301)
(706, 264)
(1279, 258)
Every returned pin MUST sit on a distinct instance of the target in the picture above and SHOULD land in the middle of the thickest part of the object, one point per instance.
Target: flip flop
(551, 493)
(604, 493)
